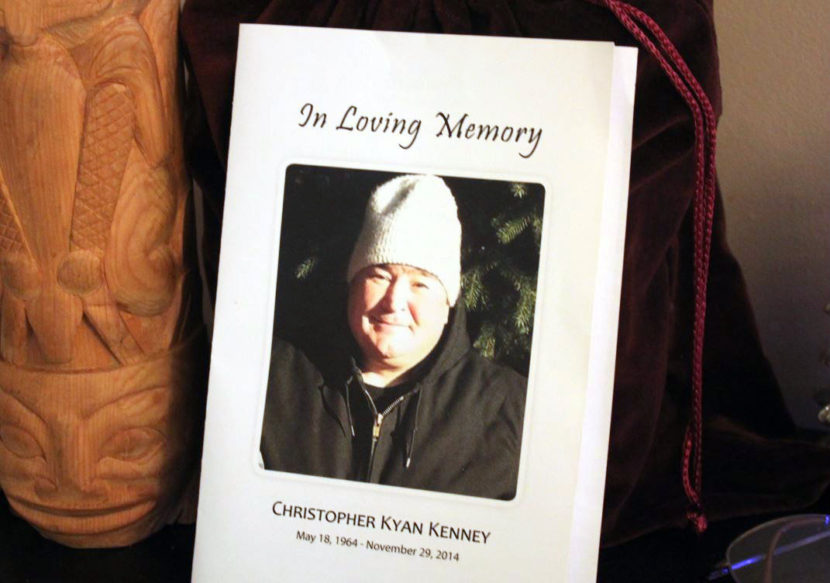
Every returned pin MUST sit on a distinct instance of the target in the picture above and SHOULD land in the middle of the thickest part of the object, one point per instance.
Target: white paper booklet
(416, 318)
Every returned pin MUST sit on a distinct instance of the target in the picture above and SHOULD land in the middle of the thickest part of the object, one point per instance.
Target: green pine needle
(486, 341)
(305, 268)
(518, 190)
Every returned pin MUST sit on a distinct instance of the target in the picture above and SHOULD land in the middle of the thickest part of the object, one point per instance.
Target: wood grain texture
(98, 413)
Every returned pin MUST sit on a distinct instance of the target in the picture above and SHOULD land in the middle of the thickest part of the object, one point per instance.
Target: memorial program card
(417, 307)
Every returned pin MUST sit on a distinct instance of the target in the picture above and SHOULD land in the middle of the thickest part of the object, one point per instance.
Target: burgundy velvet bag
(750, 464)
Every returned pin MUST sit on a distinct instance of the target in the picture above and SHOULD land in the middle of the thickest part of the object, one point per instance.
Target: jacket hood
(452, 346)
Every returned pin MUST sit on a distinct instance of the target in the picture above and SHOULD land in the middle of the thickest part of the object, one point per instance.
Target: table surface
(673, 556)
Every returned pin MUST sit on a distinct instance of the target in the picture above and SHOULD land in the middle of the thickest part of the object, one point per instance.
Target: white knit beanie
(412, 220)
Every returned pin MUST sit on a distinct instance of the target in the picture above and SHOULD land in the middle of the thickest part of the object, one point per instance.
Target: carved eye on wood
(20, 442)
(132, 445)
(80, 272)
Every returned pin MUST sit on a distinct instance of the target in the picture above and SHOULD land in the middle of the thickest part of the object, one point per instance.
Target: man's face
(396, 314)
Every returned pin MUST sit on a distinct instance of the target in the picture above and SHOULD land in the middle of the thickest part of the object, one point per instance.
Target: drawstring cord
(705, 130)
(410, 446)
(349, 404)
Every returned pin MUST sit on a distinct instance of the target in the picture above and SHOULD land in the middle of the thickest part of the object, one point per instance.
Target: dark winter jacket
(457, 430)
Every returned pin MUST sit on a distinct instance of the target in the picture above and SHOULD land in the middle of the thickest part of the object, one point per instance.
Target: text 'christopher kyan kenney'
(432, 528)
(446, 126)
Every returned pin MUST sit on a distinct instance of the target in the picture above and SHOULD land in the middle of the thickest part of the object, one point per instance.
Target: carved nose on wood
(77, 470)
(81, 480)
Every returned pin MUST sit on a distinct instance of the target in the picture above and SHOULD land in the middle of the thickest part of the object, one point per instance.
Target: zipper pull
(376, 427)
(373, 446)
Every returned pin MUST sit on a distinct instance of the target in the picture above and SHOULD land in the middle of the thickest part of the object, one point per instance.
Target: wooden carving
(97, 410)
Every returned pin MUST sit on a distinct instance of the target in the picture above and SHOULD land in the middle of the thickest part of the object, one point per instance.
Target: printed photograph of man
(403, 398)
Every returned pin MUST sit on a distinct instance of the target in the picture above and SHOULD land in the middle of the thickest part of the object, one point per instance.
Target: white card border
(220, 420)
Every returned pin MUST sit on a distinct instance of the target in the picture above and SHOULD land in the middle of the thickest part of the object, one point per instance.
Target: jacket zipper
(376, 430)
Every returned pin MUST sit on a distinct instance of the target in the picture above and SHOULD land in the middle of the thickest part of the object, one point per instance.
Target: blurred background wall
(774, 169)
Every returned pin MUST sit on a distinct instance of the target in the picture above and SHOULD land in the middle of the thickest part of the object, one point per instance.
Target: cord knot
(697, 519)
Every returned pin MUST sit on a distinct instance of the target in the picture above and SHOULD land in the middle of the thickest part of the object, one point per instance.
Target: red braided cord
(704, 216)
(704, 203)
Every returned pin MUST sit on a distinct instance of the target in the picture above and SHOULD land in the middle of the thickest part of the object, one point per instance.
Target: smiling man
(397, 314)
(405, 401)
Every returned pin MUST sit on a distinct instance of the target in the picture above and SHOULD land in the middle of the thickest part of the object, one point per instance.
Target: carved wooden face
(71, 442)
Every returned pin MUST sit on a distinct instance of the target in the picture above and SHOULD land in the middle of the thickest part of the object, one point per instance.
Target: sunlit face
(93, 459)
(397, 314)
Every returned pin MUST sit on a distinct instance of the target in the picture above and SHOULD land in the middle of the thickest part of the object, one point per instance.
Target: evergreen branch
(485, 343)
(512, 275)
(536, 225)
(512, 228)
(305, 268)
(508, 228)
(518, 190)
(523, 316)
(474, 292)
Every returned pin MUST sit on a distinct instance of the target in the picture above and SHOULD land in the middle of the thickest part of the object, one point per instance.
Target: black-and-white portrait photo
(402, 329)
